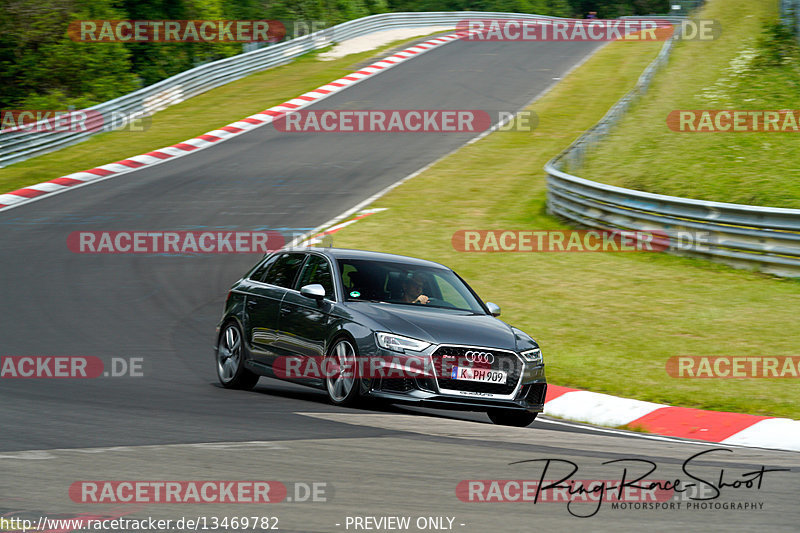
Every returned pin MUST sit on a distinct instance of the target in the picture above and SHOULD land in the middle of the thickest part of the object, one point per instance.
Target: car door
(304, 321)
(263, 306)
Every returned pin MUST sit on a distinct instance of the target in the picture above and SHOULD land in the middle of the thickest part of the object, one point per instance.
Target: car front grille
(449, 356)
(397, 384)
(535, 393)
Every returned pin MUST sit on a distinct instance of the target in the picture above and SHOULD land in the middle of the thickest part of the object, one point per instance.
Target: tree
(42, 68)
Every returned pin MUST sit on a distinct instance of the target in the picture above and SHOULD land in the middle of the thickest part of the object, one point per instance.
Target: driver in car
(412, 290)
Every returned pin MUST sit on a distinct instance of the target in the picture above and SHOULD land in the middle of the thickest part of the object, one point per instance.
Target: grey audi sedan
(361, 324)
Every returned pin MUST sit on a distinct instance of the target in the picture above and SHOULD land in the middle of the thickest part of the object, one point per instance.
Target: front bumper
(433, 388)
(533, 401)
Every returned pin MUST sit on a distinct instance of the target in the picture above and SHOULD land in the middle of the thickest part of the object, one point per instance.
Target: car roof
(345, 253)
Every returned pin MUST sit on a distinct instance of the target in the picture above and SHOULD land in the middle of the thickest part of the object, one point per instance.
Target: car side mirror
(315, 291)
(494, 309)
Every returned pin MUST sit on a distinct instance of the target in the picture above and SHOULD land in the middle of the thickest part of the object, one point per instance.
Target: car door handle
(251, 303)
(285, 310)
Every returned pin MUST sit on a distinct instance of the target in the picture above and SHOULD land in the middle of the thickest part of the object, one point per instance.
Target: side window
(363, 280)
(258, 273)
(284, 271)
(318, 270)
(347, 269)
(450, 294)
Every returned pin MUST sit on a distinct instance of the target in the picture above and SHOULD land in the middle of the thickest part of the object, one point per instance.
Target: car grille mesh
(535, 393)
(397, 384)
(455, 355)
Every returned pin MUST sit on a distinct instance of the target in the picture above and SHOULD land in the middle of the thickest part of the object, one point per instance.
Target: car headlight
(398, 343)
(533, 356)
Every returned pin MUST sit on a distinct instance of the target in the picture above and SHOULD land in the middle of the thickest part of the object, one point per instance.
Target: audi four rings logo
(479, 357)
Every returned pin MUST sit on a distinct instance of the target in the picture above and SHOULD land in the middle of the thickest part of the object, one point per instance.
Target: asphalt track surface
(163, 309)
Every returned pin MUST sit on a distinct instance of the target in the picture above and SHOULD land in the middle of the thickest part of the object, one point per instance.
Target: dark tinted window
(401, 283)
(258, 273)
(284, 271)
(318, 270)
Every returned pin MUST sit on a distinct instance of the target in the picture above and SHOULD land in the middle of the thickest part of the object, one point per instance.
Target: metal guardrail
(17, 146)
(790, 15)
(743, 236)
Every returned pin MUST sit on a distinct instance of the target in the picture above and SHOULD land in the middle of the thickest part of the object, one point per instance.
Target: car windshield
(406, 284)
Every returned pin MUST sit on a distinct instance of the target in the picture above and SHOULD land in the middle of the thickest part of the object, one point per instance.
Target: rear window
(258, 273)
(318, 270)
(285, 269)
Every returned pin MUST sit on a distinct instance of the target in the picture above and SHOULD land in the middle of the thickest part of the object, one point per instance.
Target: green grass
(635, 428)
(752, 168)
(606, 322)
(196, 116)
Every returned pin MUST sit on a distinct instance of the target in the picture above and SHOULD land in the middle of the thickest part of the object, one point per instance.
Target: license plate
(484, 375)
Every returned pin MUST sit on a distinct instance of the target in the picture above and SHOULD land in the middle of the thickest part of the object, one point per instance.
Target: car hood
(440, 326)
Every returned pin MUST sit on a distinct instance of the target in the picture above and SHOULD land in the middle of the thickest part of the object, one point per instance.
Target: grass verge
(750, 67)
(196, 116)
(607, 322)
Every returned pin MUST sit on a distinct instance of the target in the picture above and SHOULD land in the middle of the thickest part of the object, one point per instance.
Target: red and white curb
(169, 153)
(572, 404)
(612, 411)
(683, 422)
(318, 237)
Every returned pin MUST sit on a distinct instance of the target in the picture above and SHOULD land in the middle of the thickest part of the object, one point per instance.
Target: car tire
(342, 388)
(230, 360)
(508, 417)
